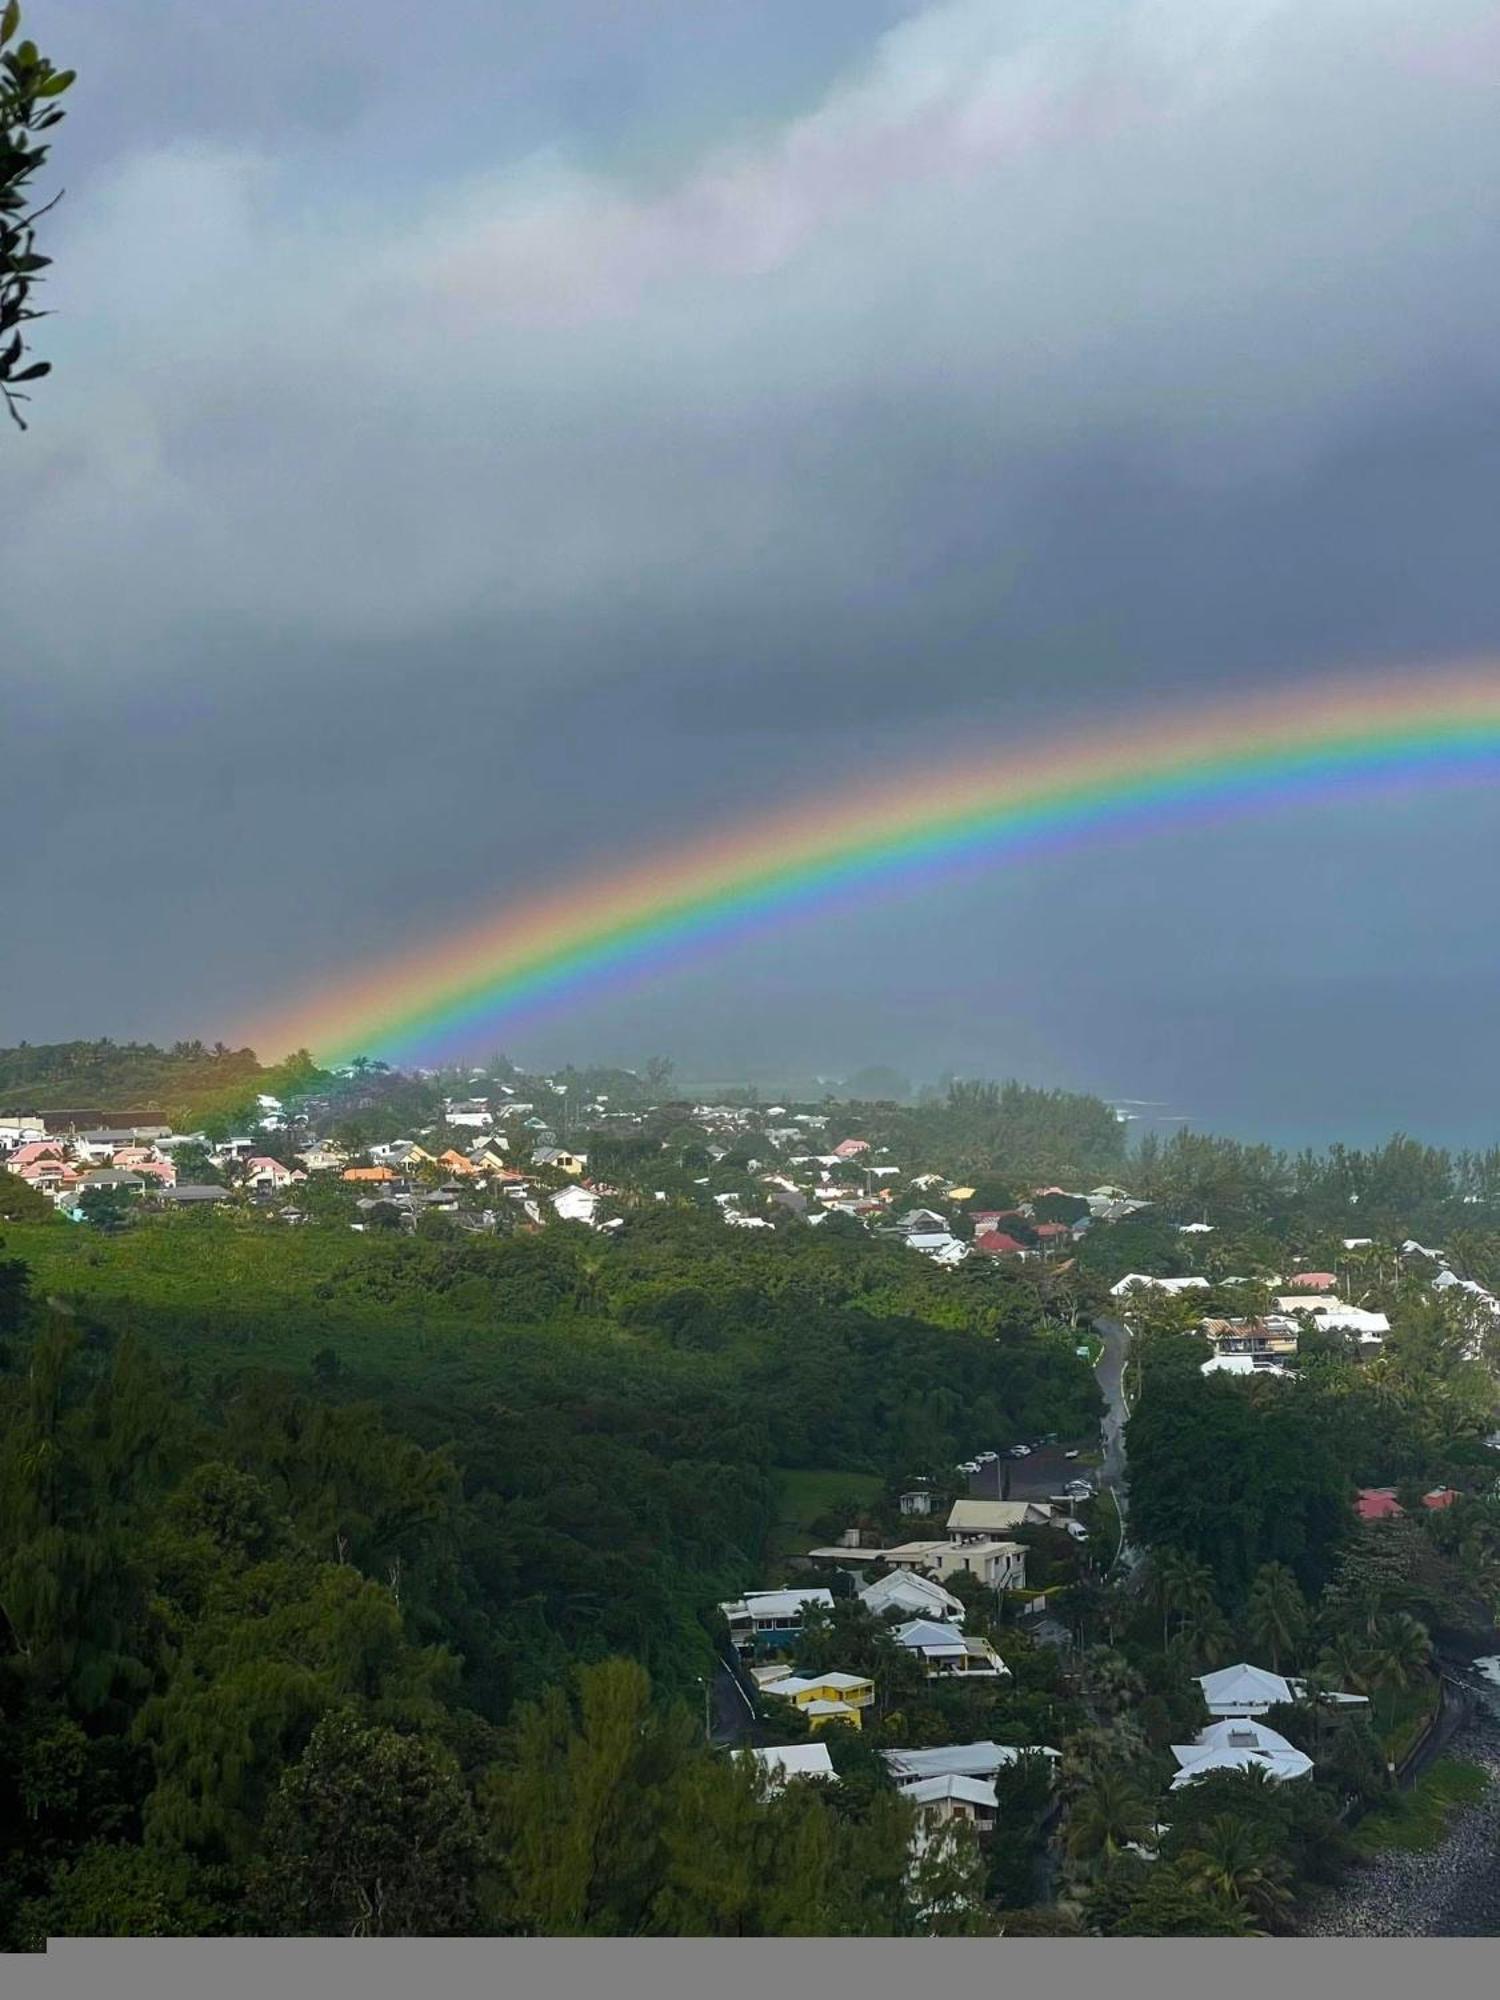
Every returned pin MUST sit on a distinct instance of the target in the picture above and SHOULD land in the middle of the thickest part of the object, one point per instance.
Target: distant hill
(185, 1082)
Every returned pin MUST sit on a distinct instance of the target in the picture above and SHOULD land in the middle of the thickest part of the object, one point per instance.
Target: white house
(1138, 1281)
(949, 1654)
(784, 1761)
(983, 1520)
(967, 1760)
(1239, 1744)
(575, 1204)
(913, 1595)
(1243, 1690)
(768, 1619)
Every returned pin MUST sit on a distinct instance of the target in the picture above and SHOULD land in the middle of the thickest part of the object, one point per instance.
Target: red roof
(1439, 1497)
(1379, 1503)
(995, 1243)
(1052, 1229)
(1311, 1281)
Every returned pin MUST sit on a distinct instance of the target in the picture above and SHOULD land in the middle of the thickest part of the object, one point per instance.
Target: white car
(988, 1457)
(1070, 1454)
(1020, 1451)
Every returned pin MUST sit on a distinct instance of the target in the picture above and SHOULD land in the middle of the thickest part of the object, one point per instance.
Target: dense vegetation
(329, 1562)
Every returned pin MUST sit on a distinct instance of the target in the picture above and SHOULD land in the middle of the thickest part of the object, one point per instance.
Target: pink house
(265, 1173)
(850, 1149)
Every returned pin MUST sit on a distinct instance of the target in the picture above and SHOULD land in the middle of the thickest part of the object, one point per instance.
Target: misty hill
(182, 1082)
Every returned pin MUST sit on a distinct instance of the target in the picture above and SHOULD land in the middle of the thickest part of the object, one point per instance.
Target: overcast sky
(487, 440)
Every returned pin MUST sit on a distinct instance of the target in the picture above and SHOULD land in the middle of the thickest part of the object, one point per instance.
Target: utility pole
(706, 1684)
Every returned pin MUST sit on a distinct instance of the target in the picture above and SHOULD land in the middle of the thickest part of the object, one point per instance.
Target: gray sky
(489, 441)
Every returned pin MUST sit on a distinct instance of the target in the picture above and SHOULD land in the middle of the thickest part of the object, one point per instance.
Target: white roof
(968, 1760)
(1135, 1279)
(796, 1760)
(1243, 1690)
(795, 1684)
(1295, 1765)
(933, 1791)
(784, 1603)
(904, 1591)
(972, 1516)
(929, 1635)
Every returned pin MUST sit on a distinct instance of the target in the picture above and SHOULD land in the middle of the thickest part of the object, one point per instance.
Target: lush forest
(344, 1581)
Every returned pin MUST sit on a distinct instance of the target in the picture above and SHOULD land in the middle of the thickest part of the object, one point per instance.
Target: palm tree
(1234, 1859)
(1399, 1653)
(1108, 1817)
(1181, 1584)
(1345, 1662)
(1276, 1613)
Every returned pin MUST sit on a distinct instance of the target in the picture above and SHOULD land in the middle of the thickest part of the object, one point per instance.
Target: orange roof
(368, 1174)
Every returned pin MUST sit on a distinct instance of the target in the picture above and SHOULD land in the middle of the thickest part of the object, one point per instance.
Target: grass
(804, 1496)
(1417, 1819)
(1401, 1723)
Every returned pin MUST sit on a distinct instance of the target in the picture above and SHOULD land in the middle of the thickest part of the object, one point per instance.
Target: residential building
(1239, 1744)
(947, 1653)
(913, 1596)
(1243, 1690)
(783, 1762)
(916, 1500)
(267, 1173)
(766, 1621)
(822, 1698)
(953, 1797)
(967, 1760)
(982, 1520)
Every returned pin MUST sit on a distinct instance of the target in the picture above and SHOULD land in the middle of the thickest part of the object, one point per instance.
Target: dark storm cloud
(686, 415)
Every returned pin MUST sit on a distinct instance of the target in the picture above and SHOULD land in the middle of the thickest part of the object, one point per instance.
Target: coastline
(1450, 1891)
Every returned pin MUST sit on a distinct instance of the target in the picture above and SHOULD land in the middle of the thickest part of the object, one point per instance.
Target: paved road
(1111, 1374)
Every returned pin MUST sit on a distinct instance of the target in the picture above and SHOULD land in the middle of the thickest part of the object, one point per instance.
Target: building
(947, 1653)
(1239, 1744)
(917, 1500)
(822, 1698)
(982, 1520)
(966, 1760)
(782, 1762)
(768, 1621)
(1243, 1690)
(939, 1800)
(912, 1595)
(267, 1173)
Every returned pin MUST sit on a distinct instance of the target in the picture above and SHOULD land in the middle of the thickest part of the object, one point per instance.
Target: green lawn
(1418, 1818)
(1401, 1723)
(805, 1495)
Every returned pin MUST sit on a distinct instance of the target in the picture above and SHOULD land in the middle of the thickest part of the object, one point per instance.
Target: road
(1111, 1376)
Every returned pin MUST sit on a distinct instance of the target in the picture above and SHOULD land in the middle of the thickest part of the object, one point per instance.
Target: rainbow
(1146, 773)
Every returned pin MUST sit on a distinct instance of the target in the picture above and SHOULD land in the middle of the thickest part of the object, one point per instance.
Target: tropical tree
(1111, 1815)
(1276, 1612)
(1399, 1653)
(1234, 1859)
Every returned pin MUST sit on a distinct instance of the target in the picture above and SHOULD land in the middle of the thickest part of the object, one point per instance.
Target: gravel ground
(1451, 1892)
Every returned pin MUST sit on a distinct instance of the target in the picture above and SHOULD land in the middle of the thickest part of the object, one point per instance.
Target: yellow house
(825, 1698)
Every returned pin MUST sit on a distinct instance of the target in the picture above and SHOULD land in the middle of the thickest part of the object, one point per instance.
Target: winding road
(1110, 1372)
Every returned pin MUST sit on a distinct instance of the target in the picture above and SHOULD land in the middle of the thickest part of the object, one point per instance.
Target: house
(924, 1220)
(1136, 1281)
(575, 1204)
(912, 1595)
(109, 1177)
(1243, 1690)
(556, 1157)
(35, 1152)
(949, 1654)
(782, 1762)
(454, 1162)
(965, 1760)
(471, 1113)
(995, 1243)
(267, 1173)
(488, 1157)
(980, 1520)
(382, 1175)
(1379, 1503)
(851, 1149)
(823, 1698)
(916, 1500)
(769, 1620)
(953, 1797)
(1252, 1343)
(189, 1195)
(403, 1153)
(322, 1159)
(1239, 1744)
(1313, 1281)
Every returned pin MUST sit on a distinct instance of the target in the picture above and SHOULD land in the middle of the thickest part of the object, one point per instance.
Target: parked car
(988, 1457)
(1070, 1454)
(1020, 1451)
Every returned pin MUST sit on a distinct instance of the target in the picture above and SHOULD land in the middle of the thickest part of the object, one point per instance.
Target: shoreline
(1450, 1891)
